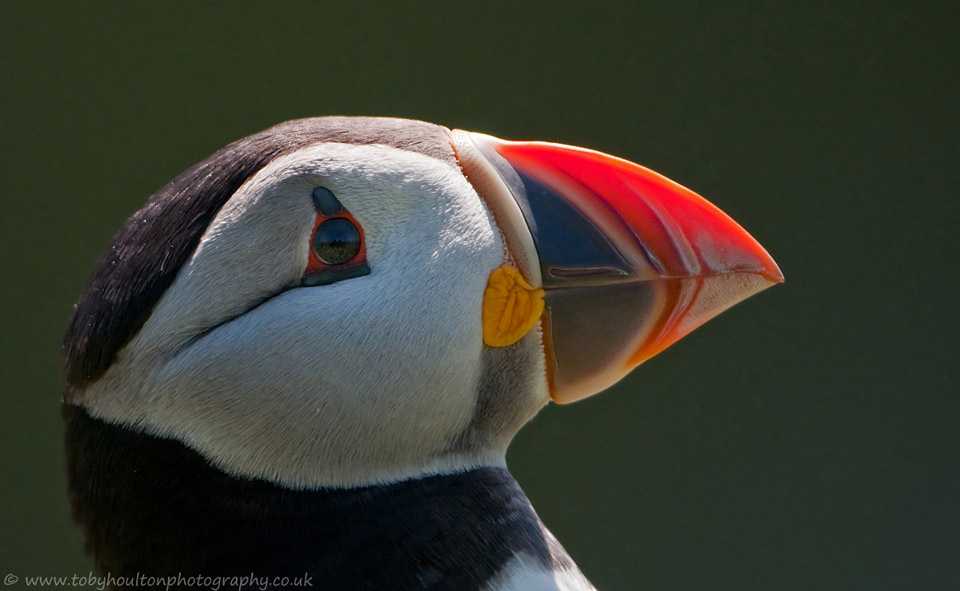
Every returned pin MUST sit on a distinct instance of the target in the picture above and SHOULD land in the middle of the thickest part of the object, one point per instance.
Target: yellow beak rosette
(511, 307)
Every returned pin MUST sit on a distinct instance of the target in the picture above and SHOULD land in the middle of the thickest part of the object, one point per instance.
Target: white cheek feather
(358, 382)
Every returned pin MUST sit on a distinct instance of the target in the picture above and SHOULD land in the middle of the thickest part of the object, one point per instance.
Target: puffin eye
(337, 250)
(336, 241)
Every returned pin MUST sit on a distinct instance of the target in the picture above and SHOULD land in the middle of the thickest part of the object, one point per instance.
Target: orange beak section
(630, 260)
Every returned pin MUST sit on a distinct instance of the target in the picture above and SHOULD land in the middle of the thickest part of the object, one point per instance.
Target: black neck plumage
(152, 507)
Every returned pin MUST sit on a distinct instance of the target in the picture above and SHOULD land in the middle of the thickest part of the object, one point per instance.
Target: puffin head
(337, 302)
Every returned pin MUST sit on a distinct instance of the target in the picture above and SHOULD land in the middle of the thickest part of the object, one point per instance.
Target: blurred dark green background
(807, 439)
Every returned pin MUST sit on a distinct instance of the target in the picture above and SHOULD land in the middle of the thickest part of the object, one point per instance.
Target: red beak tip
(771, 271)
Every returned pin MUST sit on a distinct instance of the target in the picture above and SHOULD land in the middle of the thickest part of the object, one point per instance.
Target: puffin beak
(629, 260)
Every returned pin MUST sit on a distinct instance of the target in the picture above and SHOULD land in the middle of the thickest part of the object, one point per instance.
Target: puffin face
(361, 311)
(364, 377)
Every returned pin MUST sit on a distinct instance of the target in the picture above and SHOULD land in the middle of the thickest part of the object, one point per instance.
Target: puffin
(302, 361)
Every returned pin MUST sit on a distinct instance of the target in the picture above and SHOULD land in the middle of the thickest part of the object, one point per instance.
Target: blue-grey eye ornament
(337, 248)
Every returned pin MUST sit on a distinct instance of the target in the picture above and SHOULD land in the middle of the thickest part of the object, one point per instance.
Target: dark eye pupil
(336, 241)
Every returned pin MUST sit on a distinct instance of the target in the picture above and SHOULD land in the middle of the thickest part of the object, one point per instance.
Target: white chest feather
(525, 574)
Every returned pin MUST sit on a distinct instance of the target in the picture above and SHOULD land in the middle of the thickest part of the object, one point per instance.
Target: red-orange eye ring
(337, 246)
